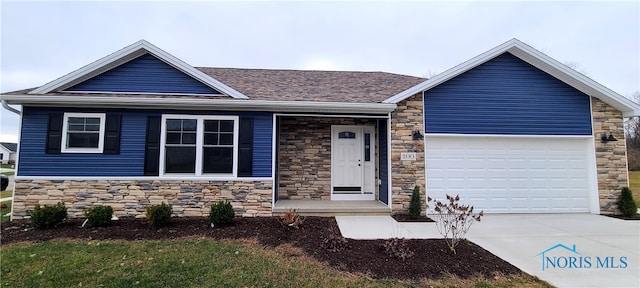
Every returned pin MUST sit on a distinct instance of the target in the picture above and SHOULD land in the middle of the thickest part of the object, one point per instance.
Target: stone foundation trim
(129, 198)
(611, 157)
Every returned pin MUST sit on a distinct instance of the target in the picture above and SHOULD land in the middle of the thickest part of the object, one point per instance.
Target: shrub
(48, 216)
(453, 220)
(335, 243)
(221, 213)
(99, 216)
(397, 248)
(159, 215)
(291, 218)
(415, 207)
(626, 204)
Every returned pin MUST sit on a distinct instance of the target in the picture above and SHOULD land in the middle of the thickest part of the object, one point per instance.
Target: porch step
(332, 208)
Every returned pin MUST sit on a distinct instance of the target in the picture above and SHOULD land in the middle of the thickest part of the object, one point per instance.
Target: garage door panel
(511, 174)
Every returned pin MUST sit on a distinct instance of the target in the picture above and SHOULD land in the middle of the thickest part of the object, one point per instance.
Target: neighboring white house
(8, 152)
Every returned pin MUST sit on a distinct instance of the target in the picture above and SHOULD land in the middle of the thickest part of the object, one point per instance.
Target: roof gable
(131, 53)
(537, 59)
(145, 74)
(13, 147)
(503, 90)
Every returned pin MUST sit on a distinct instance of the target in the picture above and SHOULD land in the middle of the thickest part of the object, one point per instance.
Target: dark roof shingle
(309, 85)
(13, 147)
(292, 85)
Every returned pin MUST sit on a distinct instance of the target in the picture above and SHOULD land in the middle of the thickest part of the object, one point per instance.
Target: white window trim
(99, 149)
(199, 145)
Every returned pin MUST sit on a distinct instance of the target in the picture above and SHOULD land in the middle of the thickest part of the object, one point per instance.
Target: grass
(192, 263)
(634, 185)
(8, 166)
(6, 193)
(4, 211)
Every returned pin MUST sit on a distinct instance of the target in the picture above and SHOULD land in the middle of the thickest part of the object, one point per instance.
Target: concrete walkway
(606, 243)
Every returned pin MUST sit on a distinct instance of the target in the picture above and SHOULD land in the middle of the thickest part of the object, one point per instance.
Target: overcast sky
(42, 41)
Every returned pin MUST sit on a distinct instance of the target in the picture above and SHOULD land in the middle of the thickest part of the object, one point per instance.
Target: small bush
(626, 204)
(48, 216)
(291, 218)
(99, 216)
(159, 215)
(221, 213)
(453, 220)
(397, 248)
(335, 243)
(415, 207)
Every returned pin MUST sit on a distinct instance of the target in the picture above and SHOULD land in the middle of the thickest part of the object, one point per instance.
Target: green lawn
(9, 166)
(4, 211)
(191, 263)
(6, 193)
(634, 185)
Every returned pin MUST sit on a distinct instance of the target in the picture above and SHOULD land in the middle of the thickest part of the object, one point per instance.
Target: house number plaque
(411, 156)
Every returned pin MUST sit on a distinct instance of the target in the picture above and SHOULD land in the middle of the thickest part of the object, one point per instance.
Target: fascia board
(132, 49)
(199, 104)
(193, 72)
(451, 73)
(104, 61)
(540, 61)
(573, 78)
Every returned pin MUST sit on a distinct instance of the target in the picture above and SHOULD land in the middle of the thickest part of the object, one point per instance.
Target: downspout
(5, 105)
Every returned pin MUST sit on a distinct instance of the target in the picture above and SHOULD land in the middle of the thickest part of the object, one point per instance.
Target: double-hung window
(83, 132)
(199, 145)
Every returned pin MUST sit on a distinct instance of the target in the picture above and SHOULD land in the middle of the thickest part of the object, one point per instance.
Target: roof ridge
(305, 70)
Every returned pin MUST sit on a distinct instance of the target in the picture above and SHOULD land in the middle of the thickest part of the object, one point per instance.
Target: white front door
(352, 163)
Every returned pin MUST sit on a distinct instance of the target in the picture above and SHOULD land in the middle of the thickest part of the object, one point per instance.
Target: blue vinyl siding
(145, 74)
(506, 96)
(35, 162)
(130, 162)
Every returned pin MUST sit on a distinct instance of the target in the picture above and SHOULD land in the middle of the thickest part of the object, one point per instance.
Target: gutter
(5, 105)
(199, 104)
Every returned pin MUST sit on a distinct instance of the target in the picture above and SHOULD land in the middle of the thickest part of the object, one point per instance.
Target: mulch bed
(407, 218)
(432, 258)
(637, 217)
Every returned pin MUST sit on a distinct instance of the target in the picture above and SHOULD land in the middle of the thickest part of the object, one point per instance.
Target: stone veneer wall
(129, 198)
(405, 175)
(611, 157)
(305, 156)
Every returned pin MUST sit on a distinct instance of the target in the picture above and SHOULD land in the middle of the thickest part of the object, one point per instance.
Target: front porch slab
(332, 208)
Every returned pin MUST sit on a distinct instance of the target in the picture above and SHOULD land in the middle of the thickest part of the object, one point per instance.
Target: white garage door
(512, 174)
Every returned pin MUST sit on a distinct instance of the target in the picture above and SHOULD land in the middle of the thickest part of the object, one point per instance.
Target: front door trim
(357, 189)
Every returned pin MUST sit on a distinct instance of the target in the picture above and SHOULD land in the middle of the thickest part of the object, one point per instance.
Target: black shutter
(112, 134)
(152, 147)
(245, 147)
(54, 133)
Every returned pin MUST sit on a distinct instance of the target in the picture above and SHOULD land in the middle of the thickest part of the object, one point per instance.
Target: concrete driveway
(606, 251)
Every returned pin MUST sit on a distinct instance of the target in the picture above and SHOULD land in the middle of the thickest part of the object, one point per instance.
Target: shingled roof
(293, 85)
(13, 147)
(317, 86)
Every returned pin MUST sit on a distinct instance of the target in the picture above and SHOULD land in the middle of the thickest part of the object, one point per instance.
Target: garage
(513, 174)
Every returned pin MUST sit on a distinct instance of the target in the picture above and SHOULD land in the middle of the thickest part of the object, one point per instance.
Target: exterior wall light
(417, 135)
